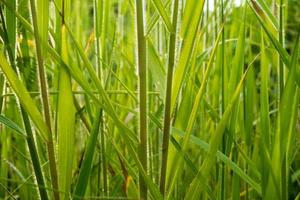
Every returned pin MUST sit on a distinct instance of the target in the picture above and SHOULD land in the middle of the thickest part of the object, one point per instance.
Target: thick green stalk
(167, 114)
(45, 101)
(142, 68)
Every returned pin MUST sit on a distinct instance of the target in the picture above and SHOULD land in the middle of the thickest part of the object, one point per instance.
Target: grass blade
(86, 167)
(66, 123)
(161, 10)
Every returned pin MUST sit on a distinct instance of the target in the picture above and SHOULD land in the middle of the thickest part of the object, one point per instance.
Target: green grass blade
(177, 162)
(284, 121)
(86, 167)
(12, 125)
(66, 123)
(195, 188)
(235, 168)
(190, 27)
(24, 97)
(43, 21)
(161, 10)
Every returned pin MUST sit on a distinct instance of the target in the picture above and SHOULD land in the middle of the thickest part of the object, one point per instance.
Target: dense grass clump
(150, 99)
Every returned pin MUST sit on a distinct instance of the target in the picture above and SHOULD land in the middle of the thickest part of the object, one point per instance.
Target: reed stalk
(45, 101)
(167, 114)
(142, 70)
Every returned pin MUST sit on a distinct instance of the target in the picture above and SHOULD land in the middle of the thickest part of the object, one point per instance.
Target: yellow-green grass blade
(264, 96)
(24, 97)
(161, 10)
(196, 188)
(177, 160)
(130, 139)
(192, 22)
(43, 21)
(104, 97)
(153, 21)
(259, 14)
(66, 123)
(264, 115)
(157, 70)
(74, 70)
(79, 77)
(268, 12)
(290, 144)
(238, 59)
(282, 52)
(283, 125)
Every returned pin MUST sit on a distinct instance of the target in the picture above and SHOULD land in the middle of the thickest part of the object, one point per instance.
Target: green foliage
(149, 99)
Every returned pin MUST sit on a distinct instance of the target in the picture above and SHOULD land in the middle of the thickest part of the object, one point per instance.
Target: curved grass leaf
(12, 125)
(24, 97)
(235, 168)
(192, 117)
(195, 188)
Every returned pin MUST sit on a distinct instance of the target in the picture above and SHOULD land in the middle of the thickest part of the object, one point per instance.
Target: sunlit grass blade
(161, 10)
(189, 29)
(104, 86)
(43, 20)
(283, 125)
(195, 188)
(191, 121)
(24, 97)
(66, 123)
(153, 21)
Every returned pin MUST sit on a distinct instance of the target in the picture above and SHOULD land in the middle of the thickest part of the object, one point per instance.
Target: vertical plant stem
(167, 114)
(281, 88)
(45, 101)
(101, 18)
(281, 41)
(103, 53)
(142, 69)
(223, 99)
(284, 184)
